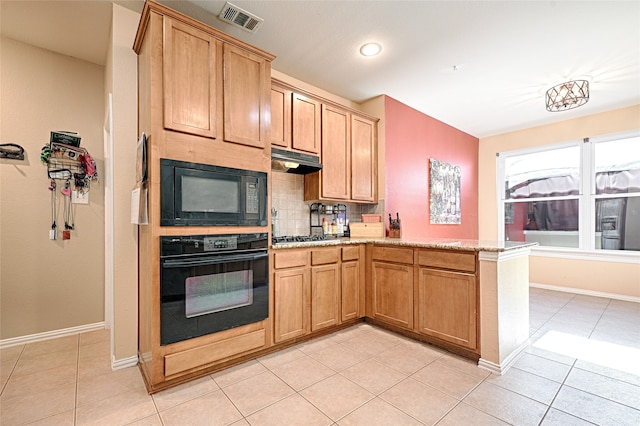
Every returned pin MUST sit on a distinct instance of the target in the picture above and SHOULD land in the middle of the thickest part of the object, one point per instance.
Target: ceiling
(505, 53)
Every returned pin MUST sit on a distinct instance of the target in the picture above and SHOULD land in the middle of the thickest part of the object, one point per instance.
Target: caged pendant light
(566, 96)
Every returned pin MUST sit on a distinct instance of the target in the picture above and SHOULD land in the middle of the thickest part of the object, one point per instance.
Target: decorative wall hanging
(66, 161)
(444, 202)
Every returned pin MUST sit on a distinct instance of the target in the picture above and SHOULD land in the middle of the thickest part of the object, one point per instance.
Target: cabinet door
(190, 70)
(280, 117)
(305, 119)
(336, 165)
(392, 296)
(364, 179)
(244, 106)
(350, 290)
(447, 306)
(325, 288)
(291, 303)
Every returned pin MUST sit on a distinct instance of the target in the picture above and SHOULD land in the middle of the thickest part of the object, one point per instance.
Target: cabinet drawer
(323, 257)
(203, 355)
(393, 254)
(447, 260)
(350, 253)
(289, 259)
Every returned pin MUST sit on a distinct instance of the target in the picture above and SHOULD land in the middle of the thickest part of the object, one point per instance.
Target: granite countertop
(437, 243)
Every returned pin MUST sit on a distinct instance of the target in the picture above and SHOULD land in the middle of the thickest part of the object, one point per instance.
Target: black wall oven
(210, 283)
(206, 195)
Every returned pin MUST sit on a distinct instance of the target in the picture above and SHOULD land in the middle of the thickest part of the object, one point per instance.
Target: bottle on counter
(340, 226)
(334, 227)
(325, 226)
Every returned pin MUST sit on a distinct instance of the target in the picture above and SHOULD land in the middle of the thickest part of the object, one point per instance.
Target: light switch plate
(78, 197)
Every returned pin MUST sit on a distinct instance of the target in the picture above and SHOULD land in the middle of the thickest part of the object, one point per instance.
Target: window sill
(617, 256)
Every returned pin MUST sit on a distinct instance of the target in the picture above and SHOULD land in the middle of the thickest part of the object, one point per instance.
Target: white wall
(122, 236)
(48, 285)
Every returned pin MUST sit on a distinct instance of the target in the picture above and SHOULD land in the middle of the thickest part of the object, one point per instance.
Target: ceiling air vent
(240, 18)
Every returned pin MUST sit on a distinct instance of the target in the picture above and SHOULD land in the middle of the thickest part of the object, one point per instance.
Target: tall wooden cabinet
(364, 176)
(246, 96)
(192, 92)
(335, 176)
(213, 88)
(203, 97)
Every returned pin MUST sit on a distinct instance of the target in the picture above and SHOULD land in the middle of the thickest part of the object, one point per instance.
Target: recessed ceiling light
(370, 49)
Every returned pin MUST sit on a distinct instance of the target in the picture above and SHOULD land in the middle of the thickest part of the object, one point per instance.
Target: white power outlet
(78, 197)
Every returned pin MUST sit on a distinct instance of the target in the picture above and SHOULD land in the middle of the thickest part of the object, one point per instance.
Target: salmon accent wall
(411, 139)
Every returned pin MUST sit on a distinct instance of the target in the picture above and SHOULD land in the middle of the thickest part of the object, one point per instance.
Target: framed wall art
(444, 188)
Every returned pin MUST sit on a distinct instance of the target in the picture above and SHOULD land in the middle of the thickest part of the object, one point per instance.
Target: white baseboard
(586, 292)
(38, 337)
(506, 364)
(117, 364)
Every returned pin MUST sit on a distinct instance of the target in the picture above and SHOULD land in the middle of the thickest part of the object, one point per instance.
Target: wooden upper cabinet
(336, 172)
(305, 120)
(364, 176)
(190, 68)
(280, 117)
(214, 88)
(349, 158)
(244, 92)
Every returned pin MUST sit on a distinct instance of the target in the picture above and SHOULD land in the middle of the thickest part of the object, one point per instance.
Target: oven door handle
(212, 260)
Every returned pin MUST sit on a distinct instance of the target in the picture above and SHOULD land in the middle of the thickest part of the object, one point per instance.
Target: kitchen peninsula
(470, 297)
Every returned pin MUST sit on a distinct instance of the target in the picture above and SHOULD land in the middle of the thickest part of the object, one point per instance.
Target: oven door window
(207, 294)
(204, 295)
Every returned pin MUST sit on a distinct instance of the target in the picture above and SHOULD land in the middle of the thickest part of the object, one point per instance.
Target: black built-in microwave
(193, 194)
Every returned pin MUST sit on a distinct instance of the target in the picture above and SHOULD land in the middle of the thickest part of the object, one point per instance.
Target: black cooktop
(296, 238)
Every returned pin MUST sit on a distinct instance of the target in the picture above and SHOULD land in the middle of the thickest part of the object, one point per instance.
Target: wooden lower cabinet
(316, 288)
(352, 283)
(350, 294)
(447, 306)
(325, 304)
(291, 303)
(392, 293)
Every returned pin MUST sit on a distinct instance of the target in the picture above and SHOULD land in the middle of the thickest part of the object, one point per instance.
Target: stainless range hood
(294, 162)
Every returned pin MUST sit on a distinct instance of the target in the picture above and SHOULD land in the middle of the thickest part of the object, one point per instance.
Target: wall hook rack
(11, 151)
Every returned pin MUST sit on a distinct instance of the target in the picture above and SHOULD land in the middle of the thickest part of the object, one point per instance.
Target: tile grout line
(13, 368)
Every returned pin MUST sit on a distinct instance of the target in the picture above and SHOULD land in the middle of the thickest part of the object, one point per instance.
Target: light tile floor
(582, 368)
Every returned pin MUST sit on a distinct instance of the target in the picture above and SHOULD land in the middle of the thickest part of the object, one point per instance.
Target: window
(581, 195)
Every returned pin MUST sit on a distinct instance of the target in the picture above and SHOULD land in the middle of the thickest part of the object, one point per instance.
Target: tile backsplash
(287, 198)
